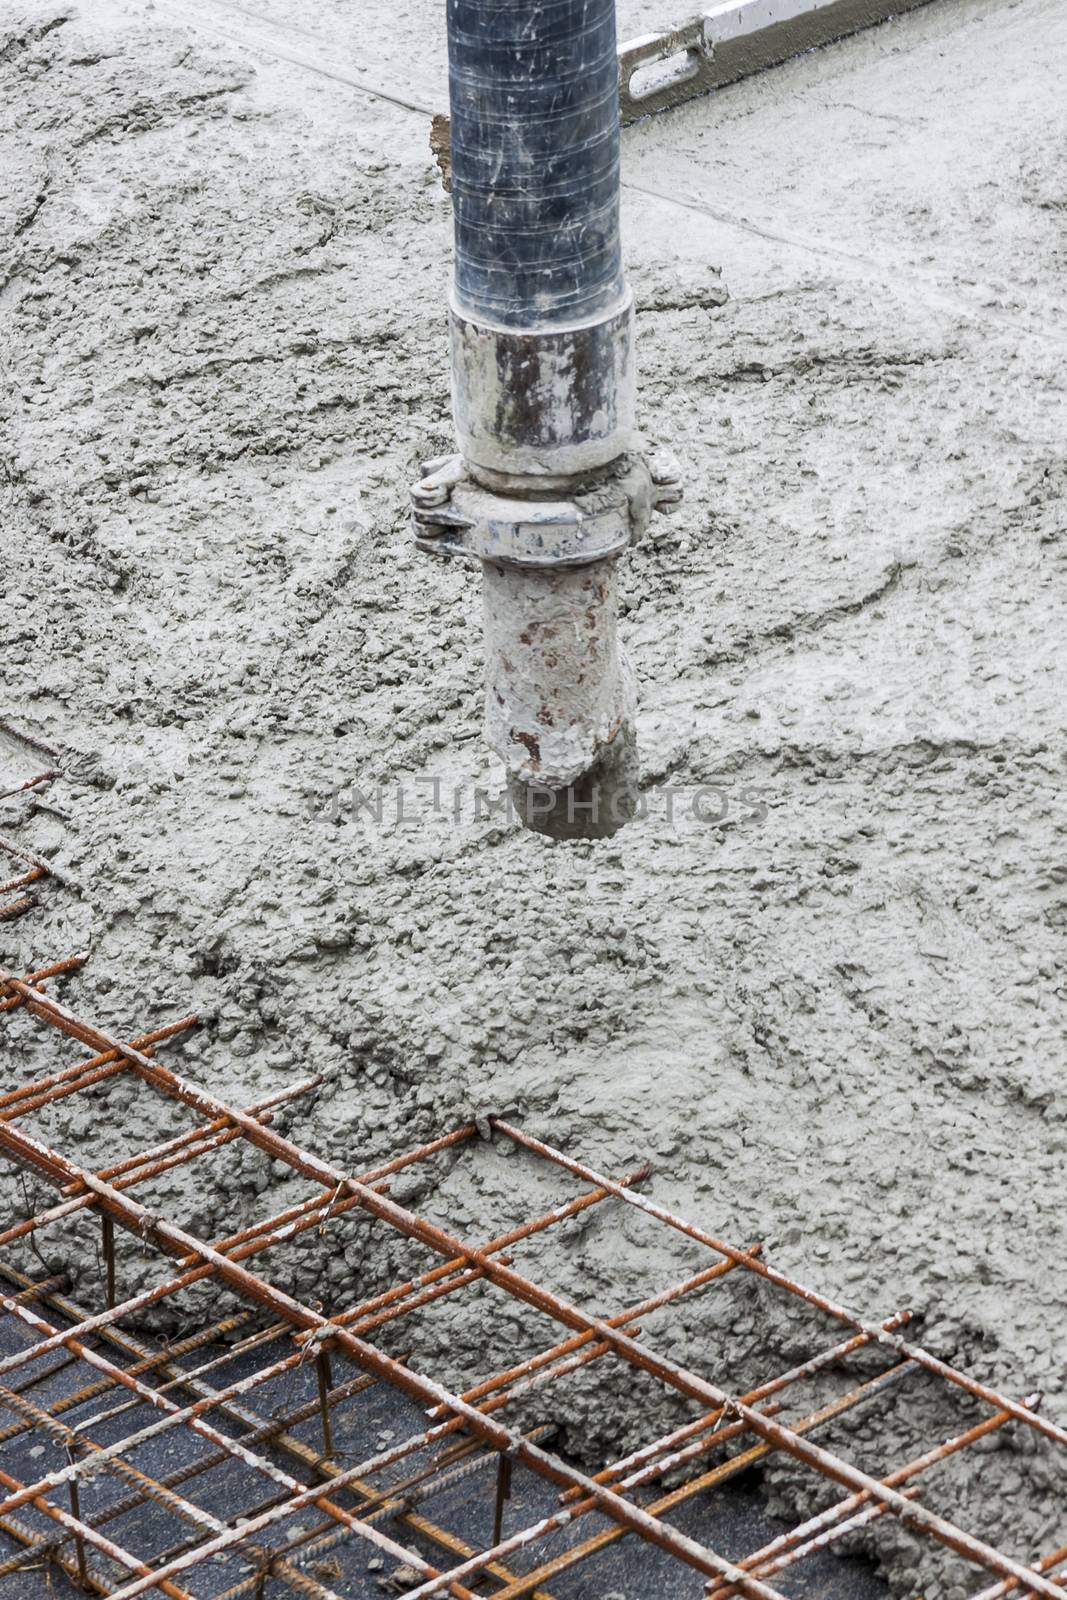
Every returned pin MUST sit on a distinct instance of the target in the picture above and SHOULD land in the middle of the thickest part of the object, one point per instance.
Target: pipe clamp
(455, 516)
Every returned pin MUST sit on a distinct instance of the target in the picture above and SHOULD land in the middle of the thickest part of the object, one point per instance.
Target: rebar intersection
(255, 1477)
(28, 867)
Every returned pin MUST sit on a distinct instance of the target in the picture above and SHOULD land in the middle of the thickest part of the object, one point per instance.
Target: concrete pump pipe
(549, 486)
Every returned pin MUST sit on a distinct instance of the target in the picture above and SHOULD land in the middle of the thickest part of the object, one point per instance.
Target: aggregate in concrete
(820, 982)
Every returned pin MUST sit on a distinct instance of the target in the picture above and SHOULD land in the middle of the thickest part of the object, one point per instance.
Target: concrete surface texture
(828, 1006)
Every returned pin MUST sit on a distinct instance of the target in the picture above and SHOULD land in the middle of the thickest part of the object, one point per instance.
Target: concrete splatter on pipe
(549, 486)
(557, 682)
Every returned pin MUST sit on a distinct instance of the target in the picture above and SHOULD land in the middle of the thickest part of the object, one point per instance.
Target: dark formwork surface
(461, 1498)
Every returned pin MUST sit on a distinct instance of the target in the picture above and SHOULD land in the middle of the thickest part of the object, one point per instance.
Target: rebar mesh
(237, 1471)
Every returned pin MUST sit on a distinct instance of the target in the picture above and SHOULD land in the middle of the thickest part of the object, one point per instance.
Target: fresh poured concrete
(820, 983)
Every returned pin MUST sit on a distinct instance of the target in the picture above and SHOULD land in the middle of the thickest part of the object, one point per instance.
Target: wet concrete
(819, 981)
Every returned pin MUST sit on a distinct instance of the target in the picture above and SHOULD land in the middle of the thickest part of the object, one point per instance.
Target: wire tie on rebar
(315, 1338)
(886, 1335)
(730, 1410)
(75, 1511)
(328, 1213)
(145, 1223)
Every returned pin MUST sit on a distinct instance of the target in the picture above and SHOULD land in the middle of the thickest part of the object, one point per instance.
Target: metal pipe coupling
(550, 404)
(558, 686)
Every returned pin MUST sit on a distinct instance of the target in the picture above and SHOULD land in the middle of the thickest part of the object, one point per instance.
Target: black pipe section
(534, 89)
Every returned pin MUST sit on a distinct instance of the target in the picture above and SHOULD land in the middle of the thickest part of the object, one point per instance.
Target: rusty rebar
(150, 1489)
(79, 1537)
(34, 875)
(31, 740)
(300, 1494)
(502, 1496)
(70, 1402)
(72, 1080)
(714, 1478)
(780, 1553)
(941, 1369)
(799, 1374)
(588, 1337)
(32, 859)
(32, 783)
(18, 908)
(325, 1384)
(114, 1552)
(438, 1239)
(58, 969)
(179, 1243)
(152, 1163)
(1011, 1585)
